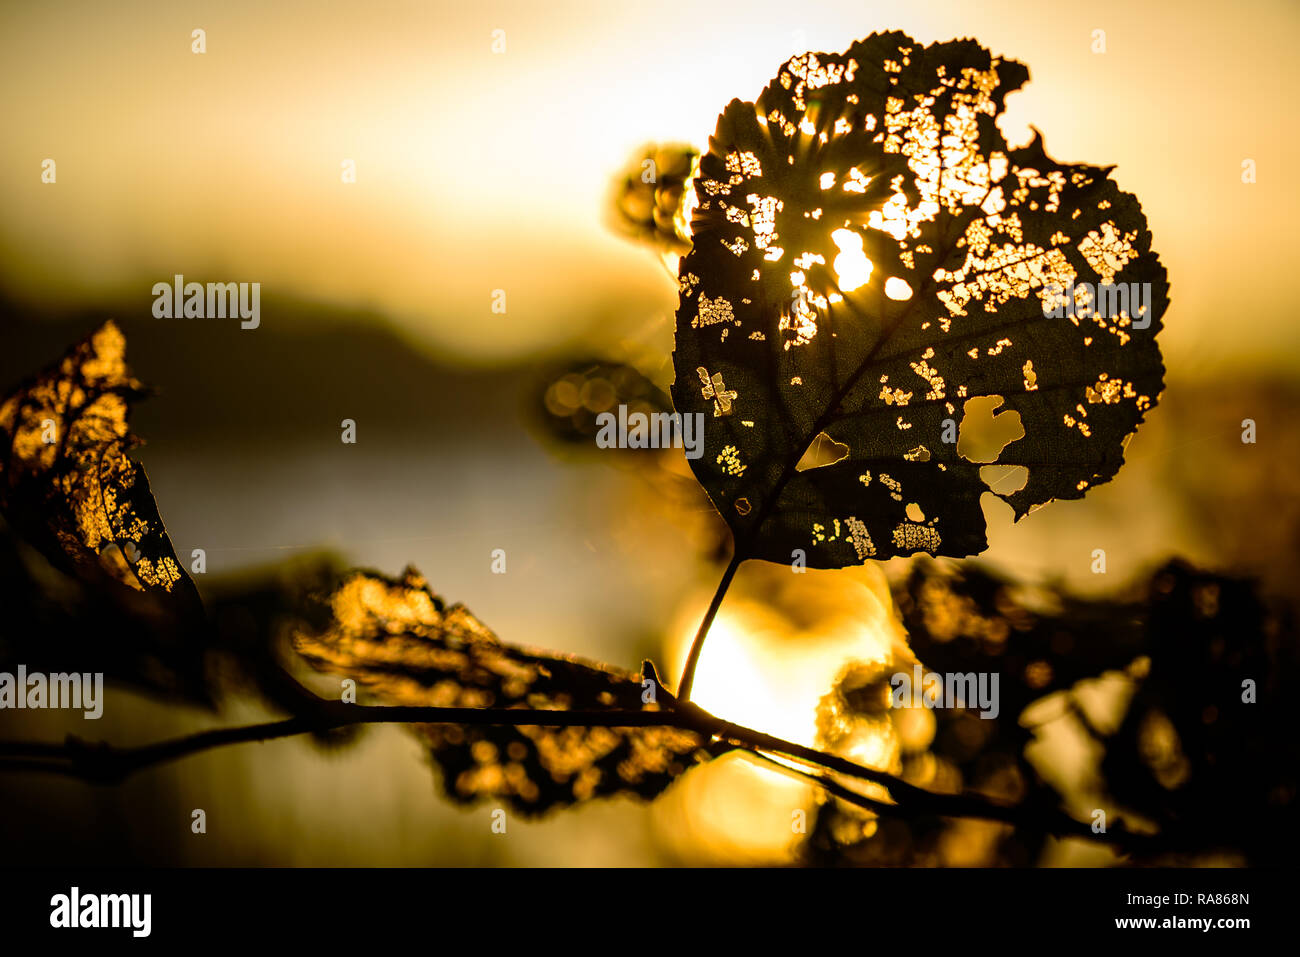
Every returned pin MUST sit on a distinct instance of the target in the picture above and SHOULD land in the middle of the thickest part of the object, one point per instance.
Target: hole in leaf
(114, 559)
(898, 289)
(982, 435)
(914, 513)
(822, 451)
(1004, 479)
(852, 267)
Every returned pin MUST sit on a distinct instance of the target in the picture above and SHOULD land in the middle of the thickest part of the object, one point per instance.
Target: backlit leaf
(69, 486)
(870, 255)
(400, 641)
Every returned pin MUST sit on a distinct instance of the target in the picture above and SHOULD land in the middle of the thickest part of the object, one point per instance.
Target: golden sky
(478, 170)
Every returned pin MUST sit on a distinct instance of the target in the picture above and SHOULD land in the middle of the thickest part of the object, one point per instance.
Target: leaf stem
(697, 646)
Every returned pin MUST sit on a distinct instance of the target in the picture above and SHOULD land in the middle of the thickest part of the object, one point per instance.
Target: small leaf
(400, 641)
(68, 485)
(869, 255)
(648, 194)
(573, 394)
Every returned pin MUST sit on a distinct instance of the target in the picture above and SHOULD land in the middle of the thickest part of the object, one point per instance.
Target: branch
(102, 763)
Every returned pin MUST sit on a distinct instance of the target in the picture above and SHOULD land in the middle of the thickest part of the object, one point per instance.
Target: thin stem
(697, 646)
(832, 786)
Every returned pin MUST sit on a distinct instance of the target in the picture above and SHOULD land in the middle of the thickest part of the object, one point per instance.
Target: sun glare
(766, 665)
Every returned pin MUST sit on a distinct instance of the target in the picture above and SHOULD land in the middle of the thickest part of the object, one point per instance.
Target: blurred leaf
(573, 394)
(254, 613)
(650, 194)
(964, 617)
(54, 623)
(1195, 751)
(565, 404)
(400, 641)
(868, 256)
(68, 484)
(1179, 747)
(102, 588)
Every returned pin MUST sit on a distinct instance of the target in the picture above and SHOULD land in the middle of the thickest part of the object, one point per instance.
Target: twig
(830, 784)
(105, 764)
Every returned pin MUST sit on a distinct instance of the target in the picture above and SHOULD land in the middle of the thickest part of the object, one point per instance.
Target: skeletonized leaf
(400, 641)
(869, 255)
(68, 485)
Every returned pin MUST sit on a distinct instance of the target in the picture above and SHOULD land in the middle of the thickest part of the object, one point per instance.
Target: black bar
(492, 907)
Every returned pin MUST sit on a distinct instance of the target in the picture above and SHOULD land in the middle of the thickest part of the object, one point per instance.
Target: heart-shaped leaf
(869, 255)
